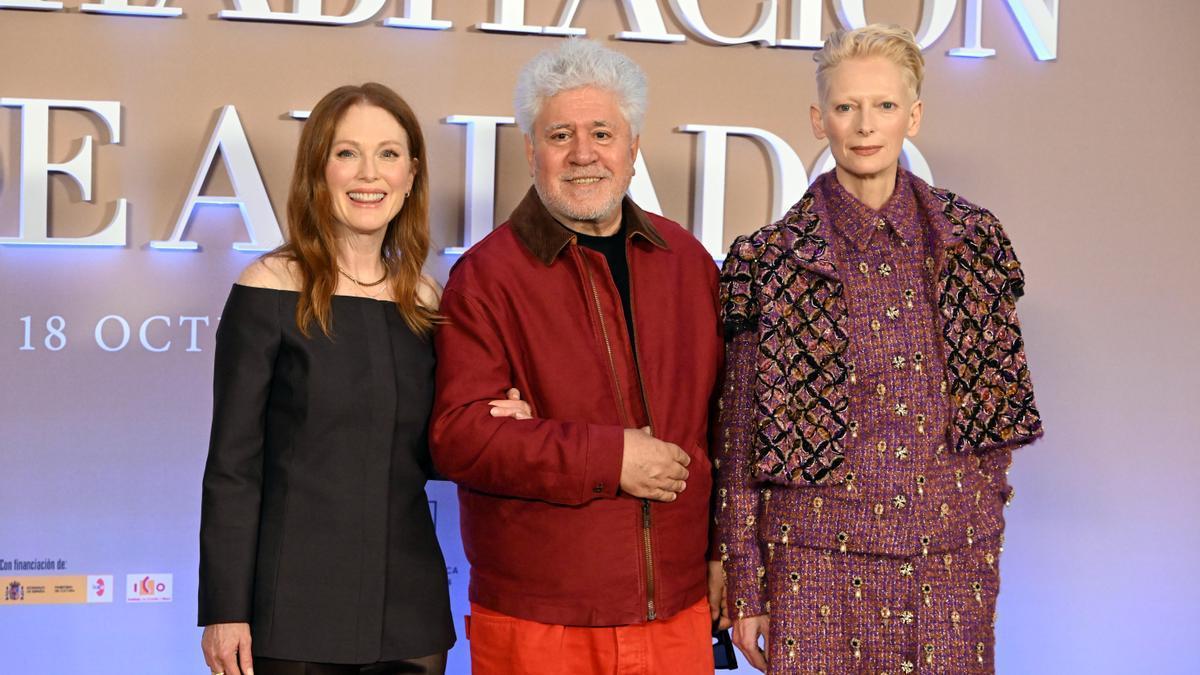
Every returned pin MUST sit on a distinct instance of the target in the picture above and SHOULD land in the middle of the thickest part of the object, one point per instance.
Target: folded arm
(558, 461)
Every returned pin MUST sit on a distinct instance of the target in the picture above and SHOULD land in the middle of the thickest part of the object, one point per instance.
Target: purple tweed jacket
(786, 423)
(782, 282)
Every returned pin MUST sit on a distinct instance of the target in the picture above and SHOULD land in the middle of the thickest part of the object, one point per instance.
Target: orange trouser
(502, 644)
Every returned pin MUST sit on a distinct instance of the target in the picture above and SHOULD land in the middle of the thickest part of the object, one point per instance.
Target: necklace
(367, 289)
(361, 284)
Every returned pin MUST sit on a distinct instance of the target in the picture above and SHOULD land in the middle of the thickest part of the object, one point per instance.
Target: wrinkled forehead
(582, 107)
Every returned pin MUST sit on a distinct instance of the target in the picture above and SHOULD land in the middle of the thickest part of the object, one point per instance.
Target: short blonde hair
(889, 41)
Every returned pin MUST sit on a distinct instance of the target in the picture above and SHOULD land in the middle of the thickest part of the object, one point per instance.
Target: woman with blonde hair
(876, 386)
(316, 541)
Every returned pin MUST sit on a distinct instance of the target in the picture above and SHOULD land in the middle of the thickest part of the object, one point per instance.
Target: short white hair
(580, 63)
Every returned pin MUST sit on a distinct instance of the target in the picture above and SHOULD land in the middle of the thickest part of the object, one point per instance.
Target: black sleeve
(248, 339)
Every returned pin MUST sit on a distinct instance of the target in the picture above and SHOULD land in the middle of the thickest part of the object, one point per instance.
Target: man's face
(581, 152)
(867, 112)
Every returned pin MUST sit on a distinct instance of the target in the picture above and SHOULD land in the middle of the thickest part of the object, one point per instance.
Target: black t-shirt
(612, 248)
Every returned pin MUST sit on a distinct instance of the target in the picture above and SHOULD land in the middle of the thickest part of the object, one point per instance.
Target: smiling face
(867, 111)
(581, 153)
(369, 170)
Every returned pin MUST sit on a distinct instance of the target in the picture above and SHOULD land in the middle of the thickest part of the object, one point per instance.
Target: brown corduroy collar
(545, 237)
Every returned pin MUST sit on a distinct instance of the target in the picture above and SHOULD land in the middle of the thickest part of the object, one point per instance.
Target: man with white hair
(587, 526)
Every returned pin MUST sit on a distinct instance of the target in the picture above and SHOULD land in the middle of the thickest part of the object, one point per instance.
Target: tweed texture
(786, 282)
(911, 490)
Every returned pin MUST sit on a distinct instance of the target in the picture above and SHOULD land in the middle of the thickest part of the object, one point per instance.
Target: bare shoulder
(271, 271)
(429, 292)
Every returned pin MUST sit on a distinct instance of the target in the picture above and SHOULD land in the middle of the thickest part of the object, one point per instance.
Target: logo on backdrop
(148, 587)
(100, 588)
(14, 591)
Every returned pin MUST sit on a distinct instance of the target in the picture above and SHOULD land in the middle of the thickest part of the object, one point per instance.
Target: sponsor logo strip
(56, 590)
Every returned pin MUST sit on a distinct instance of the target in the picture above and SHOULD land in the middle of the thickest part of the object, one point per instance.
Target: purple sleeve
(737, 498)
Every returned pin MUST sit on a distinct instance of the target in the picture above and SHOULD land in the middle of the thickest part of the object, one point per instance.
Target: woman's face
(867, 113)
(369, 170)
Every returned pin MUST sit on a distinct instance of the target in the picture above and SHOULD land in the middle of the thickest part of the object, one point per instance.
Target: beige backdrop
(1087, 160)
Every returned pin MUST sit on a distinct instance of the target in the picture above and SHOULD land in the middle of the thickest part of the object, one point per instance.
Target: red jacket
(548, 533)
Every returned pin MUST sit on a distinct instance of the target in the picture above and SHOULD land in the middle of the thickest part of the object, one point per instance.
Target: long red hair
(312, 227)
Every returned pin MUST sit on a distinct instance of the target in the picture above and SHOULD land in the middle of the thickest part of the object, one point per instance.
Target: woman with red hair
(316, 541)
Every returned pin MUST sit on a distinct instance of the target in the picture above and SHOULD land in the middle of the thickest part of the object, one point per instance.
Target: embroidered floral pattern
(782, 282)
(990, 389)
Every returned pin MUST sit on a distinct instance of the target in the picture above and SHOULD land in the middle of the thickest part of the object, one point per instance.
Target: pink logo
(151, 587)
(148, 586)
(98, 587)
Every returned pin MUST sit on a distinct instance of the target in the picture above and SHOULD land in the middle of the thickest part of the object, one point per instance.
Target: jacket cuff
(996, 462)
(602, 473)
(744, 582)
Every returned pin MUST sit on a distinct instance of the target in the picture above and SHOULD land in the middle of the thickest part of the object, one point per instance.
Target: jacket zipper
(637, 366)
(612, 364)
(651, 614)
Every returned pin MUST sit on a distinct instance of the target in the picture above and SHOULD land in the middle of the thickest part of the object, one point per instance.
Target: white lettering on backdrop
(250, 195)
(788, 179)
(36, 168)
(1037, 20)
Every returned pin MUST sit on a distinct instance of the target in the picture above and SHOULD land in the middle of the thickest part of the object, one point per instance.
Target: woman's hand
(512, 406)
(745, 635)
(227, 648)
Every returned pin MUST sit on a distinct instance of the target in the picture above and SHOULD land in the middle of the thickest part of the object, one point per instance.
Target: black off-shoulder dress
(315, 527)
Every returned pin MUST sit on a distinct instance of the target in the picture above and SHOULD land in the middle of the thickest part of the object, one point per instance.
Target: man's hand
(745, 635)
(717, 605)
(652, 469)
(227, 648)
